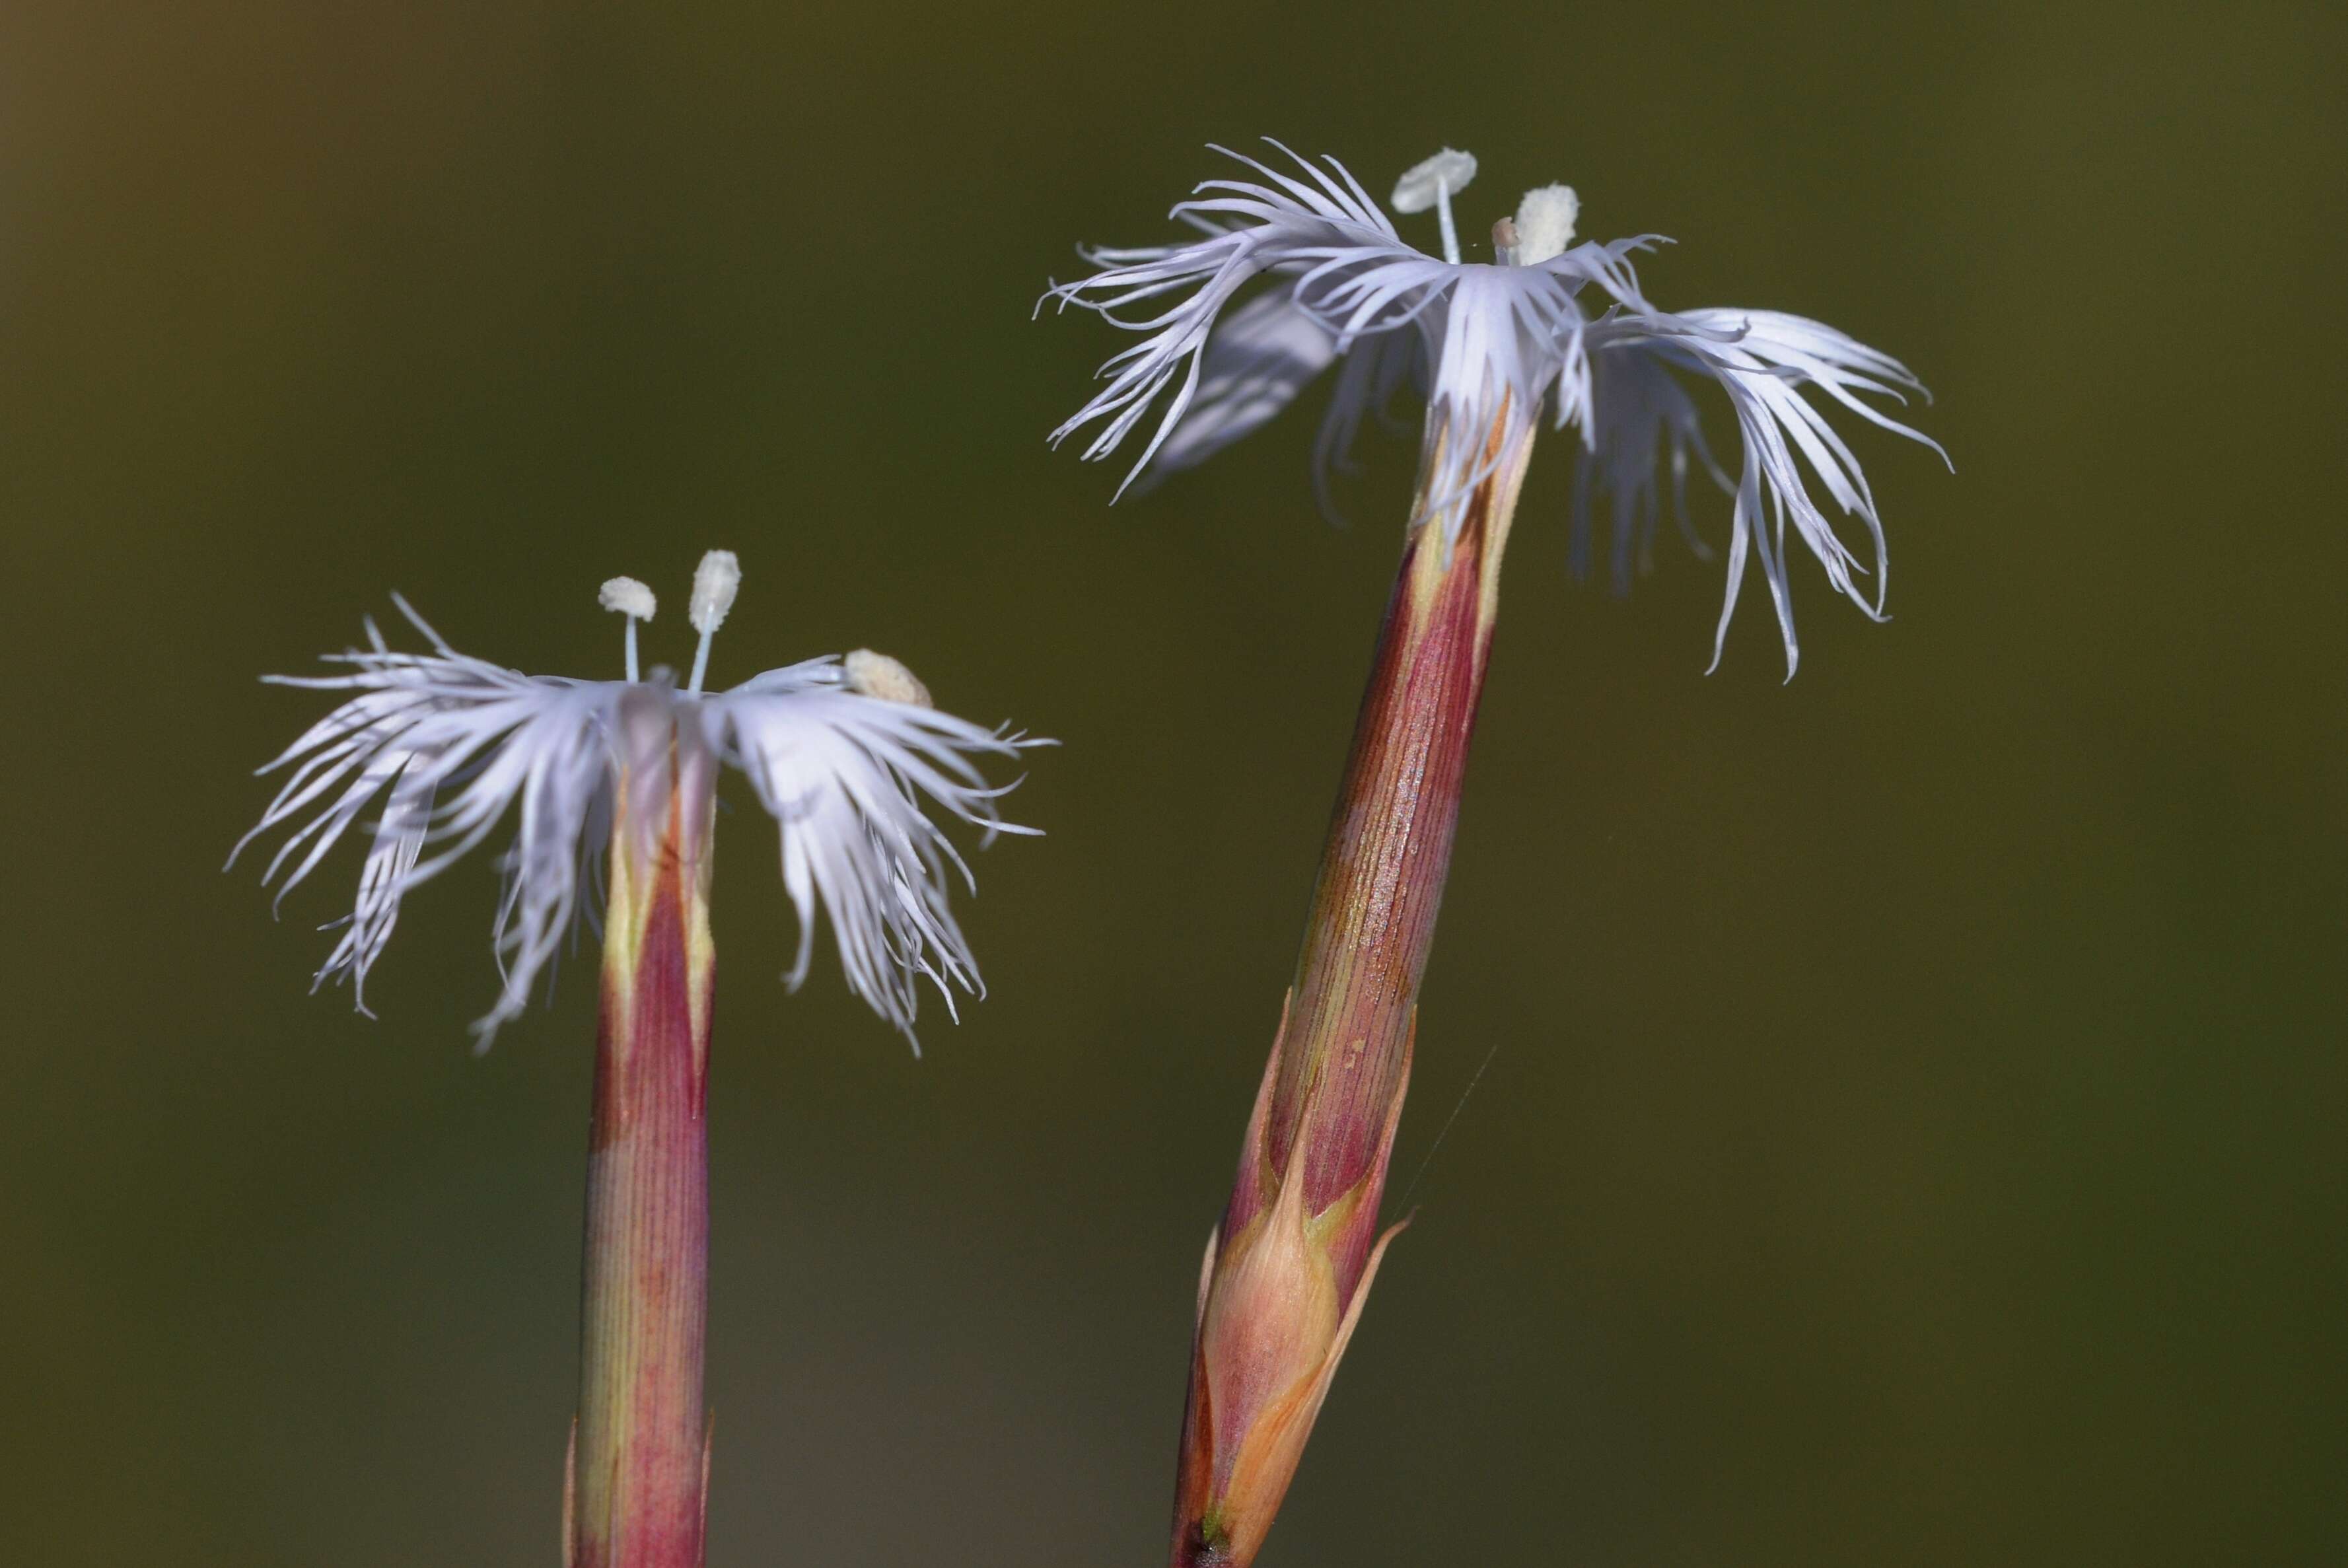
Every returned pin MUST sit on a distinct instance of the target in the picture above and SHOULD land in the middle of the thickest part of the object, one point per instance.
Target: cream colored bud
(877, 675)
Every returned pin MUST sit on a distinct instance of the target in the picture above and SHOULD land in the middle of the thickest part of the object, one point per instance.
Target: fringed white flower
(1765, 361)
(842, 772)
(1489, 343)
(841, 753)
(1545, 321)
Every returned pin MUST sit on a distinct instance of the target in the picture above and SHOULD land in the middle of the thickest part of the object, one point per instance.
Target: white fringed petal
(1644, 429)
(449, 745)
(844, 776)
(1497, 337)
(1766, 362)
(1481, 342)
(1258, 359)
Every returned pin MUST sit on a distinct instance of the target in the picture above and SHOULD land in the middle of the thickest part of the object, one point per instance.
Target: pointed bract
(1279, 1299)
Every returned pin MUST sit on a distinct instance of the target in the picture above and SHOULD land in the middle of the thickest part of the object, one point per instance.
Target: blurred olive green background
(1915, 1132)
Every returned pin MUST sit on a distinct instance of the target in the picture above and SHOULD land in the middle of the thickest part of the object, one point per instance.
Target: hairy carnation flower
(446, 746)
(1547, 324)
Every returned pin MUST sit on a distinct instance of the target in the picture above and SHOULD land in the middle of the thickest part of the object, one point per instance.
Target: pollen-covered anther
(1544, 223)
(634, 600)
(1447, 173)
(714, 583)
(879, 676)
(629, 597)
(1434, 184)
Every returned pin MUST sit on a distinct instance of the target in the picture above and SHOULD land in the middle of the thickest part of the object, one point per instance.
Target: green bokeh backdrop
(1914, 1129)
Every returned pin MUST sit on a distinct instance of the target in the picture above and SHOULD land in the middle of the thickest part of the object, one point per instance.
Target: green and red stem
(1291, 1261)
(639, 1459)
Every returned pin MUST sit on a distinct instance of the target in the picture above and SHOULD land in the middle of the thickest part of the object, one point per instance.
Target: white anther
(629, 597)
(714, 583)
(877, 675)
(1426, 184)
(1545, 221)
(634, 600)
(1433, 184)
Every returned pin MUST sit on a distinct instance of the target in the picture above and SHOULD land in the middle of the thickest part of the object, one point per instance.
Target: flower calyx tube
(1290, 1266)
(636, 1497)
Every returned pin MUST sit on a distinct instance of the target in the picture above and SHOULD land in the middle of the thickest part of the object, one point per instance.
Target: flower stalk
(1290, 1263)
(640, 1449)
(1292, 271)
(841, 752)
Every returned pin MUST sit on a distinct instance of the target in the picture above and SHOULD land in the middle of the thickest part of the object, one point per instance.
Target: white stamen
(634, 600)
(714, 583)
(1425, 184)
(877, 675)
(1545, 221)
(1433, 183)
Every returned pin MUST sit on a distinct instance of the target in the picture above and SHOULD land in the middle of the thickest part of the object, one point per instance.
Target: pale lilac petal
(447, 744)
(1262, 354)
(1217, 362)
(1767, 362)
(845, 776)
(1488, 346)
(451, 747)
